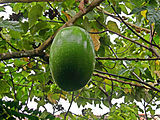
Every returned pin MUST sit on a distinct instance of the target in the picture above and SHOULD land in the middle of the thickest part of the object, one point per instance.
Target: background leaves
(28, 78)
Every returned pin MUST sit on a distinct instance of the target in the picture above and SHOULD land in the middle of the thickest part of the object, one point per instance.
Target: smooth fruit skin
(72, 58)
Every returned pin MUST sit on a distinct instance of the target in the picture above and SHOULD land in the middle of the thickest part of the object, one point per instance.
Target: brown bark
(19, 54)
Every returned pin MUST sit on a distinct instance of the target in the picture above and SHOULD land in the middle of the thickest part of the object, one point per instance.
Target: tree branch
(113, 79)
(142, 82)
(50, 21)
(129, 59)
(19, 54)
(23, 85)
(24, 1)
(5, 56)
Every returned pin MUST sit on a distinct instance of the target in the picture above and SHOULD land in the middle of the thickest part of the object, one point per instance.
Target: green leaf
(90, 15)
(22, 94)
(156, 39)
(15, 34)
(157, 27)
(41, 103)
(51, 117)
(153, 2)
(151, 110)
(137, 10)
(153, 15)
(113, 26)
(39, 26)
(2, 9)
(34, 14)
(123, 8)
(122, 71)
(44, 115)
(4, 87)
(13, 25)
(118, 10)
(17, 7)
(105, 41)
(19, 62)
(26, 43)
(101, 51)
(25, 26)
(71, 12)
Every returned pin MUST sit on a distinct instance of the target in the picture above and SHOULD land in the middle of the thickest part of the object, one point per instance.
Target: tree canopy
(126, 36)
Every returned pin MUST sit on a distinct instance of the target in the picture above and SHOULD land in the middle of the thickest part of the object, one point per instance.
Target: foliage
(127, 66)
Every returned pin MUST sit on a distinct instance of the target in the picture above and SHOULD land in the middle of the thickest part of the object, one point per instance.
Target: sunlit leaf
(144, 14)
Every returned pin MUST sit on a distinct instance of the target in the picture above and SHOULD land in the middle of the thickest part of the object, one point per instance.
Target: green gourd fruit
(72, 58)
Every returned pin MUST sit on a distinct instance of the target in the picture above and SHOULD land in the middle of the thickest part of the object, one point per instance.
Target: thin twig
(69, 106)
(151, 40)
(30, 91)
(23, 85)
(12, 46)
(8, 43)
(106, 93)
(128, 59)
(50, 21)
(111, 93)
(145, 111)
(151, 34)
(124, 50)
(13, 86)
(100, 88)
(151, 99)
